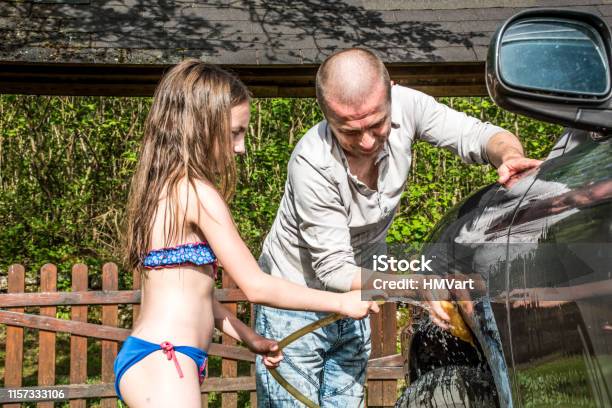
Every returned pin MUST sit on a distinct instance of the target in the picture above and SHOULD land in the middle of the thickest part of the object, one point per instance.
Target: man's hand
(463, 298)
(268, 349)
(506, 153)
(512, 169)
(438, 315)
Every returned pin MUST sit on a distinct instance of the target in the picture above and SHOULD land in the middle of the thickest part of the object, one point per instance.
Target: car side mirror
(553, 65)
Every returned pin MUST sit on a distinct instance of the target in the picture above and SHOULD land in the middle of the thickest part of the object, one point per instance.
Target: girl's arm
(210, 213)
(229, 324)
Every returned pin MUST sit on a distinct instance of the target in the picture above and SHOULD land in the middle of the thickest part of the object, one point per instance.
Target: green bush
(66, 162)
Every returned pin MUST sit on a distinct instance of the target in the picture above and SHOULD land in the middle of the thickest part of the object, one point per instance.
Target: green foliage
(276, 126)
(66, 163)
(64, 169)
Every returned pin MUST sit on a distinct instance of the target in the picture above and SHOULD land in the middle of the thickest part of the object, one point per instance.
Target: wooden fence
(384, 369)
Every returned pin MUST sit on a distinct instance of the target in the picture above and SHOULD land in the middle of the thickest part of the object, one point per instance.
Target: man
(345, 179)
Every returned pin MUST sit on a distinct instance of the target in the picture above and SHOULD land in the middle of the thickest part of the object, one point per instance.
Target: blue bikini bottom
(135, 349)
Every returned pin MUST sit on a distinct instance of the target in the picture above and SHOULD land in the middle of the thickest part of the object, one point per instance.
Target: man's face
(361, 130)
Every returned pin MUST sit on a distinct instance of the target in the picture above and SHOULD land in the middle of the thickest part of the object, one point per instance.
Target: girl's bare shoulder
(202, 199)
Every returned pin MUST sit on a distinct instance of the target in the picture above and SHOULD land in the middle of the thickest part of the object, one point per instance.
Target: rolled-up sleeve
(323, 225)
(444, 127)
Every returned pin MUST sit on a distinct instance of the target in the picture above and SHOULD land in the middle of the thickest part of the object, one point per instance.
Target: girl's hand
(268, 349)
(352, 306)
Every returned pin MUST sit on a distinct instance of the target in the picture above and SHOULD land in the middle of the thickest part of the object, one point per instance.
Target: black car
(542, 248)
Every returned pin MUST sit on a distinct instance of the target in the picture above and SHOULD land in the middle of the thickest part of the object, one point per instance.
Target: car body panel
(567, 201)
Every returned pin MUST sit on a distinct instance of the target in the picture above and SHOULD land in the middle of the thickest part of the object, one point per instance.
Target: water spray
(458, 328)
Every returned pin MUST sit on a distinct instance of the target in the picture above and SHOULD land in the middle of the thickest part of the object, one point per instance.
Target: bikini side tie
(168, 349)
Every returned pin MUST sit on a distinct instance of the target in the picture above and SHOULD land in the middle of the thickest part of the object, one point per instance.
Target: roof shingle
(256, 32)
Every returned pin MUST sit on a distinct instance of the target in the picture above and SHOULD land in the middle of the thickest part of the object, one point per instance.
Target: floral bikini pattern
(198, 253)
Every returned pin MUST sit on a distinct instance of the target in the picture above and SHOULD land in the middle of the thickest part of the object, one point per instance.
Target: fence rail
(384, 369)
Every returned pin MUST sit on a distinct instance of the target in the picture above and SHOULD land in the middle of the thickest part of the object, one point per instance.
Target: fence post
(383, 393)
(14, 335)
(229, 368)
(110, 281)
(78, 344)
(389, 347)
(46, 339)
(374, 390)
(204, 400)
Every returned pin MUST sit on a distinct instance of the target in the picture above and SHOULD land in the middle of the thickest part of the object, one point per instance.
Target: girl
(179, 225)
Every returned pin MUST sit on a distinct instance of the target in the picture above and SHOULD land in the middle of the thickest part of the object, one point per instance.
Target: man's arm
(473, 140)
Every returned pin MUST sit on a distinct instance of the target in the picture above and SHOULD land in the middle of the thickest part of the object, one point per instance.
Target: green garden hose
(458, 329)
(290, 339)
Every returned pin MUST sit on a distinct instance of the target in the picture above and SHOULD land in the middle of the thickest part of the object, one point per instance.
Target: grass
(565, 382)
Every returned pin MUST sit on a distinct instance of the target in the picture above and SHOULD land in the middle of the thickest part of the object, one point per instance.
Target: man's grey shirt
(329, 223)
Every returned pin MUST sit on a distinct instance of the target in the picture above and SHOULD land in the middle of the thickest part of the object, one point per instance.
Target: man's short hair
(369, 57)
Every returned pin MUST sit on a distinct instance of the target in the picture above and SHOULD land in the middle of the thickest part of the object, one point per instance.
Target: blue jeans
(328, 365)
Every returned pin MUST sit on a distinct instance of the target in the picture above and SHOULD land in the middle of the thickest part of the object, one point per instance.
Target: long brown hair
(187, 135)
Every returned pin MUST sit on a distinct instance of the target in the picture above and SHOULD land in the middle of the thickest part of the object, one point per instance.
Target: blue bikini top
(197, 253)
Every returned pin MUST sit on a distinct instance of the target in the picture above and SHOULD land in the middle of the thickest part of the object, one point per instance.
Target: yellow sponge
(458, 327)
